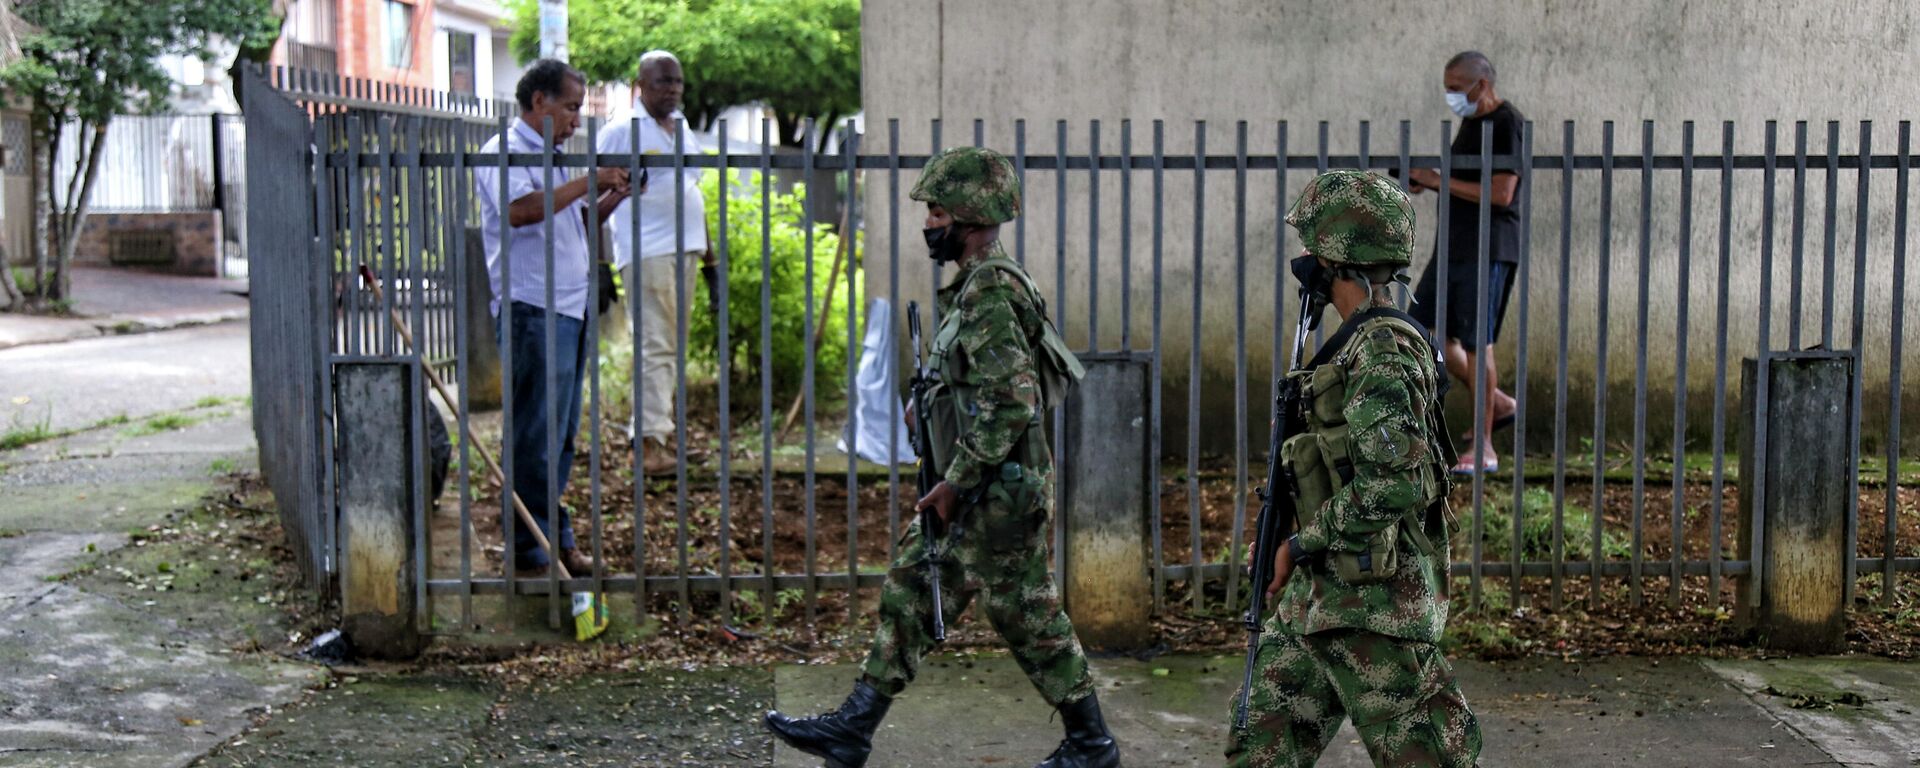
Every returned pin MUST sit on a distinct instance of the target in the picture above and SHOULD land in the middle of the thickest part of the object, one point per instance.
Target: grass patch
(215, 401)
(22, 435)
(1536, 529)
(116, 420)
(165, 422)
(11, 533)
(220, 467)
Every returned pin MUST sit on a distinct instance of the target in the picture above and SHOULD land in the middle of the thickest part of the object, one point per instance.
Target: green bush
(788, 296)
(1536, 529)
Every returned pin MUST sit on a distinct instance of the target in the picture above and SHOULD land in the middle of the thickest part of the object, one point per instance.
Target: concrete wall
(1264, 61)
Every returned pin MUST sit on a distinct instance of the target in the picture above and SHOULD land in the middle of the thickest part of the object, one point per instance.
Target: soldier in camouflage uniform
(997, 489)
(1349, 639)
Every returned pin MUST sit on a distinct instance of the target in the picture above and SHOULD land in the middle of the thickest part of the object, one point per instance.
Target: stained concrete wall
(1265, 61)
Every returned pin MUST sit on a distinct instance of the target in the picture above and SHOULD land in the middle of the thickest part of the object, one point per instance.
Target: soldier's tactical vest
(1318, 462)
(952, 402)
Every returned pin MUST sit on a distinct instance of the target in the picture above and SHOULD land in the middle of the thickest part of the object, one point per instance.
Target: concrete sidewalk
(1607, 712)
(120, 301)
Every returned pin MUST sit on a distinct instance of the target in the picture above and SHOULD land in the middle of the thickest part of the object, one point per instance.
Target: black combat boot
(843, 737)
(1087, 745)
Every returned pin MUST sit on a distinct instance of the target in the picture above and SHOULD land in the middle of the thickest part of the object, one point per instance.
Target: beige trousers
(656, 341)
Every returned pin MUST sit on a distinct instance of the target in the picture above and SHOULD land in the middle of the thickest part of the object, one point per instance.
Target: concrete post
(483, 355)
(1794, 485)
(1109, 584)
(373, 402)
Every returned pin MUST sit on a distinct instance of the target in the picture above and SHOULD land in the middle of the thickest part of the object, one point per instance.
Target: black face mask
(944, 244)
(1316, 285)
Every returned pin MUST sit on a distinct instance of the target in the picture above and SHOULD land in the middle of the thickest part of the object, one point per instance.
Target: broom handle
(486, 456)
(846, 218)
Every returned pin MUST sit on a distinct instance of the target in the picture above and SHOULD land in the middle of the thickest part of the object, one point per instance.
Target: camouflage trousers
(998, 553)
(1400, 693)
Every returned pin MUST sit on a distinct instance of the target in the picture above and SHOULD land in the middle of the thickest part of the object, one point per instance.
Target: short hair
(1473, 63)
(548, 76)
(651, 58)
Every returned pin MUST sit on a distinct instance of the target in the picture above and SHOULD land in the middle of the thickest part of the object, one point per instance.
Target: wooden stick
(839, 250)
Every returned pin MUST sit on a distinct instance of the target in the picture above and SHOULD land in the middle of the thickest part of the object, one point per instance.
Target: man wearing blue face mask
(1469, 80)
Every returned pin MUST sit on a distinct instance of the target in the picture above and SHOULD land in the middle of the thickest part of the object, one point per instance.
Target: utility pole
(553, 29)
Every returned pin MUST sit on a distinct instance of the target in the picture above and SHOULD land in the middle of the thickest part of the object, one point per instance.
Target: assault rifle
(921, 438)
(1277, 512)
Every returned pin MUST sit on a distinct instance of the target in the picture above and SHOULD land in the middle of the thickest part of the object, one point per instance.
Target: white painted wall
(1264, 61)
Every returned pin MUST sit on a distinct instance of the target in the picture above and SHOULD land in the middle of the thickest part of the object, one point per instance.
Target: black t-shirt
(1463, 226)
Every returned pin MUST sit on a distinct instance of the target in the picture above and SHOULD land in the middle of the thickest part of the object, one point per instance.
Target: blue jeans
(527, 436)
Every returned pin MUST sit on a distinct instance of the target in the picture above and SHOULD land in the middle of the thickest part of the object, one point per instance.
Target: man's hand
(909, 417)
(613, 179)
(942, 498)
(1282, 569)
(1419, 179)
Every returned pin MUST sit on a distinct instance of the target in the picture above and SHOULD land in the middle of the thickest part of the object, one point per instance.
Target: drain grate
(141, 246)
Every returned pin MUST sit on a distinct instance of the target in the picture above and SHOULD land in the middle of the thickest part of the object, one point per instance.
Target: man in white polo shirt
(545, 376)
(667, 238)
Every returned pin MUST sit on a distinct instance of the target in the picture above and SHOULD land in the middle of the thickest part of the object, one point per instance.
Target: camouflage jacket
(1391, 383)
(984, 355)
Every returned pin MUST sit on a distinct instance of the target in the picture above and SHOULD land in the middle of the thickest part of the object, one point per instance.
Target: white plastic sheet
(878, 384)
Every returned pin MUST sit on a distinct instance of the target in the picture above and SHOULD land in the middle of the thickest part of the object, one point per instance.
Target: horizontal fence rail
(1604, 510)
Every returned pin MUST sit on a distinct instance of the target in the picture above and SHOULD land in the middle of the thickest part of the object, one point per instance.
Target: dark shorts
(1471, 332)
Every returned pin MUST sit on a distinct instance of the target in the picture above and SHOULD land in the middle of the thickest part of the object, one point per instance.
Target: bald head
(660, 82)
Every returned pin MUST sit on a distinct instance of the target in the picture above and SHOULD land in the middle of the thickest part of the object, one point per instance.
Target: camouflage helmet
(975, 185)
(1355, 218)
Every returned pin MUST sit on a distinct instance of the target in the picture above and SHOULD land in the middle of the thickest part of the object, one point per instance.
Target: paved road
(78, 383)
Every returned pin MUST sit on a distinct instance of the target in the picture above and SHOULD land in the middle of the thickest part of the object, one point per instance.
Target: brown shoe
(656, 458)
(579, 565)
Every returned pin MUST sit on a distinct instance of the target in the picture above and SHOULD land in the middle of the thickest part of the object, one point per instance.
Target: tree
(85, 61)
(799, 57)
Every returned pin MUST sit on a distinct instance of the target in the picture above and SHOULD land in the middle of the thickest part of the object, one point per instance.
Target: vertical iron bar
(463, 350)
(850, 153)
(1196, 582)
(1093, 235)
(680, 299)
(1799, 230)
(1366, 136)
(806, 381)
(1639, 458)
(1720, 364)
(590, 357)
(637, 325)
(1598, 553)
(1860, 211)
(979, 132)
(1756, 561)
(1560, 370)
(1679, 513)
(510, 555)
(550, 374)
(1239, 366)
(768, 595)
(1060, 314)
(938, 268)
(1897, 329)
(1442, 252)
(1830, 253)
(1482, 329)
(1154, 513)
(1525, 200)
(416, 300)
(1019, 172)
(1126, 235)
(723, 327)
(893, 297)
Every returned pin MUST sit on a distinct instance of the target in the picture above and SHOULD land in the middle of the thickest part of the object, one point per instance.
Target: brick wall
(196, 234)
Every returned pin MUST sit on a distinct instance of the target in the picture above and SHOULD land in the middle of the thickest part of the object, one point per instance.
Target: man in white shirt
(668, 235)
(528, 309)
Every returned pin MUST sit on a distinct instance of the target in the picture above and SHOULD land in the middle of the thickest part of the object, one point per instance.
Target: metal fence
(158, 163)
(394, 190)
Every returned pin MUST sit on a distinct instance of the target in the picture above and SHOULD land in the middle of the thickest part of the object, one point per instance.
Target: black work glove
(609, 293)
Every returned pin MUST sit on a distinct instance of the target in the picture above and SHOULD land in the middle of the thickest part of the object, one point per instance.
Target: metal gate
(394, 191)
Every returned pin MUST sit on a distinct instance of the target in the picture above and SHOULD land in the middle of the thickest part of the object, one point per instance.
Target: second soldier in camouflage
(1363, 604)
(991, 353)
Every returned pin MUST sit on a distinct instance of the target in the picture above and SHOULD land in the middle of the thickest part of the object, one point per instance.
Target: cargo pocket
(1009, 520)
